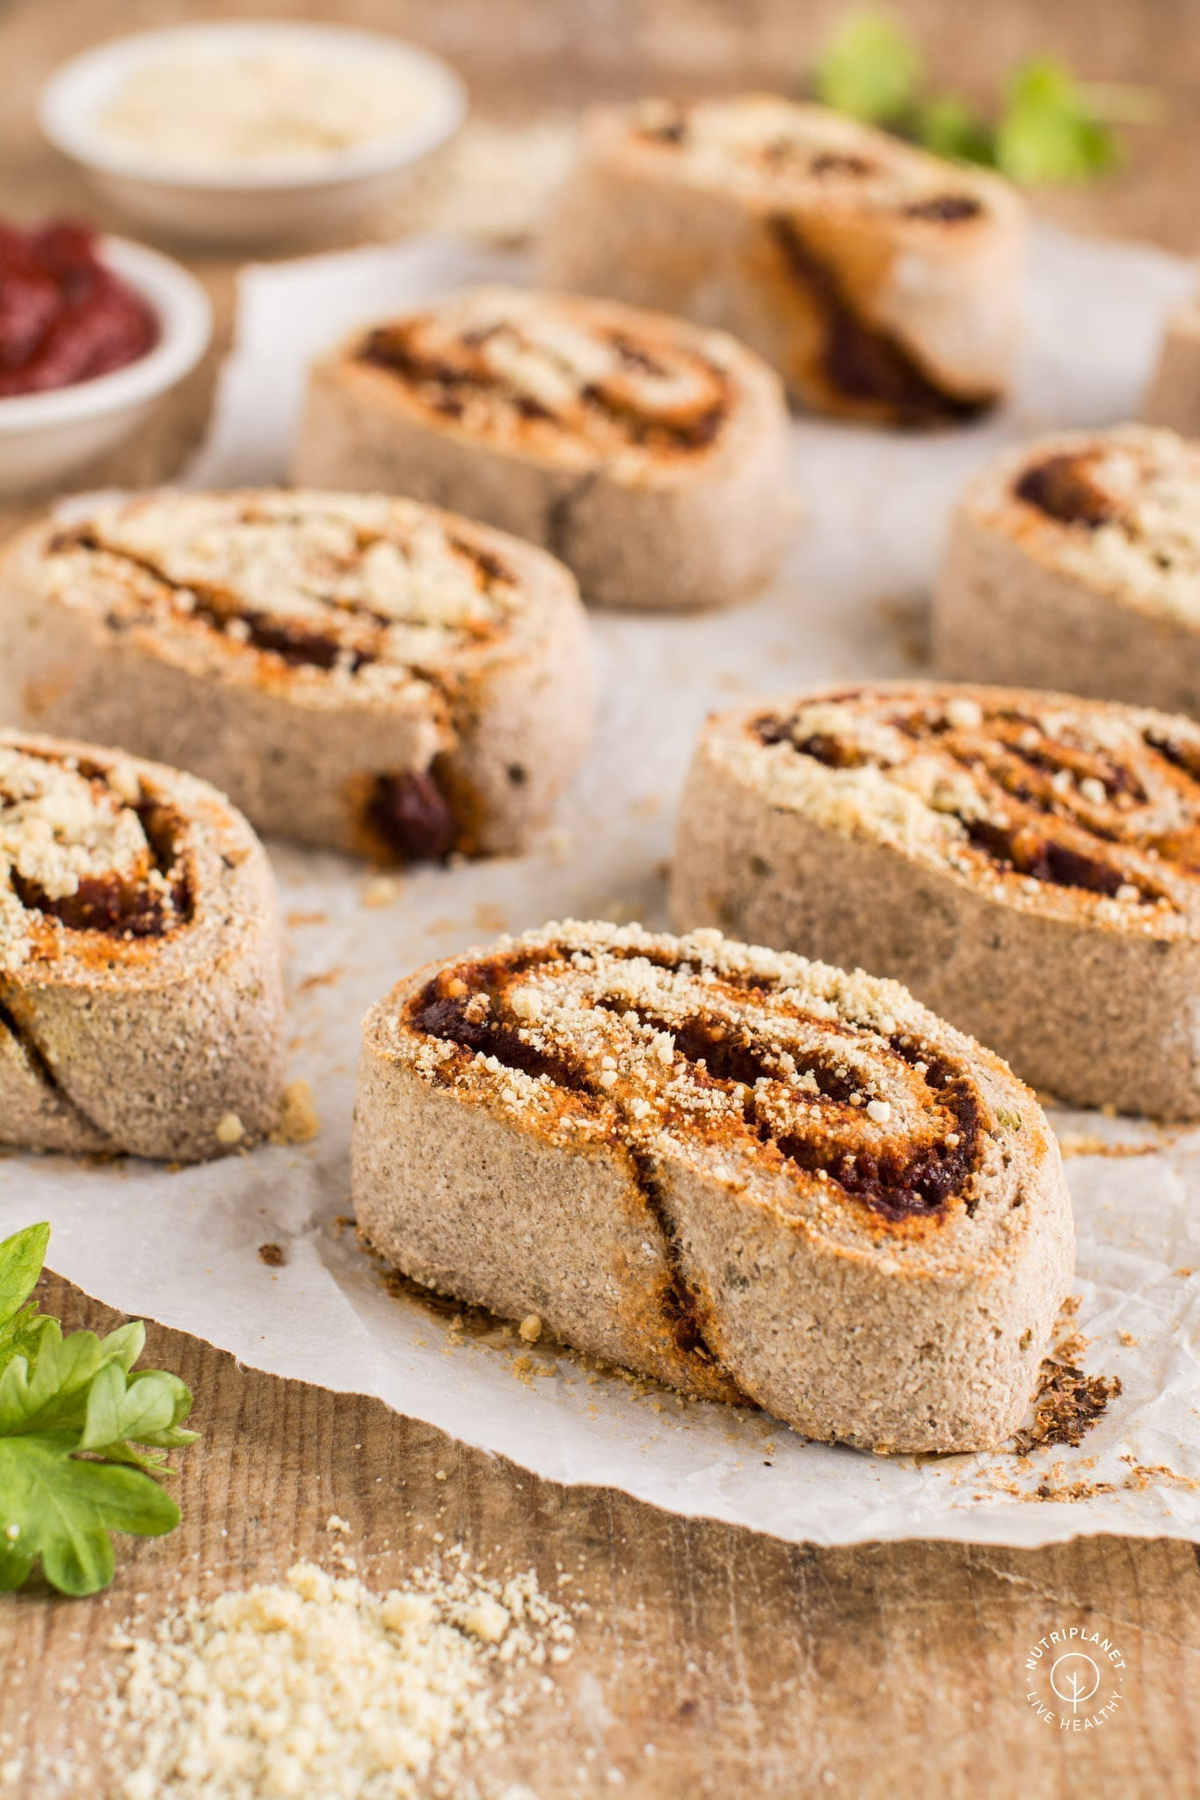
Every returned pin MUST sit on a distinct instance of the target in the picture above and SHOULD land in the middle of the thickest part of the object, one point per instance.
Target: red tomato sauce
(64, 316)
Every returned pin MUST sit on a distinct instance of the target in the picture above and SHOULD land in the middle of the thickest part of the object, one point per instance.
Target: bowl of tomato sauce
(93, 332)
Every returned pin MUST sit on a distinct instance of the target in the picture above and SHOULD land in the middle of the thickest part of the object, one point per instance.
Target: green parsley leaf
(21, 1259)
(950, 127)
(50, 1390)
(871, 68)
(61, 1508)
(1050, 128)
(1048, 131)
(83, 1435)
(145, 1409)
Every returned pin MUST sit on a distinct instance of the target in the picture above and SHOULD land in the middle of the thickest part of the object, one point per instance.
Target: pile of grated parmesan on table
(317, 1687)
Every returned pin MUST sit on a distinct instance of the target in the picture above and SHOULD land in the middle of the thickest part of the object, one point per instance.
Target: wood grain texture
(712, 1661)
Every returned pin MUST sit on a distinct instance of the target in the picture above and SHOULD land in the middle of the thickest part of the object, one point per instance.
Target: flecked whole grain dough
(889, 846)
(883, 283)
(1173, 396)
(162, 1044)
(642, 526)
(1106, 604)
(298, 649)
(537, 1131)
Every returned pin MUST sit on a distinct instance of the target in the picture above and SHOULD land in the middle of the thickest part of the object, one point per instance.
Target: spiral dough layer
(1027, 863)
(352, 670)
(647, 454)
(746, 1174)
(140, 993)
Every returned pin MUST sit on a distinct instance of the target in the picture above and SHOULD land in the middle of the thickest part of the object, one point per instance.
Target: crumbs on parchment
(1072, 1143)
(1066, 1405)
(298, 1121)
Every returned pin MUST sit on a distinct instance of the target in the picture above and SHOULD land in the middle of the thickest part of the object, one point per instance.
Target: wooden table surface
(710, 1660)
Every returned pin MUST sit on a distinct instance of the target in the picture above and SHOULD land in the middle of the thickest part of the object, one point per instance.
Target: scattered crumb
(1127, 1338)
(530, 1328)
(1184, 1272)
(438, 927)
(381, 890)
(295, 920)
(230, 1129)
(1082, 1144)
(907, 617)
(490, 918)
(527, 1369)
(322, 978)
(298, 1122)
(486, 1620)
(1145, 1475)
(1067, 1403)
(336, 1524)
(1142, 1476)
(273, 1255)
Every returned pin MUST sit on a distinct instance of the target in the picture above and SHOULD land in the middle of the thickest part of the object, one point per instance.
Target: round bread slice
(1027, 863)
(353, 670)
(1079, 558)
(1173, 397)
(748, 1175)
(883, 283)
(647, 454)
(141, 1002)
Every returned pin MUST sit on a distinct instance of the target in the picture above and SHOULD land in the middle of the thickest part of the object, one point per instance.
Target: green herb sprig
(84, 1435)
(1049, 127)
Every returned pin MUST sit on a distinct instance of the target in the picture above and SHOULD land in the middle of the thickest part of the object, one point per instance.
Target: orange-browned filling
(658, 1046)
(1043, 793)
(515, 376)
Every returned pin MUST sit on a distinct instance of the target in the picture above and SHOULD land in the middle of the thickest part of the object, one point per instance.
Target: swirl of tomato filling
(87, 847)
(367, 597)
(548, 374)
(1068, 799)
(658, 1046)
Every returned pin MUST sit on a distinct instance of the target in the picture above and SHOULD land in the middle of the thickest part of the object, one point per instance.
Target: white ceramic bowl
(44, 437)
(245, 202)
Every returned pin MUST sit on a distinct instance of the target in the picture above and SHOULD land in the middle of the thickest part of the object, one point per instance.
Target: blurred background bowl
(247, 201)
(45, 436)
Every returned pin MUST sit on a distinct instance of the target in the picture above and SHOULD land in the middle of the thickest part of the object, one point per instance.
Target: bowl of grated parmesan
(250, 133)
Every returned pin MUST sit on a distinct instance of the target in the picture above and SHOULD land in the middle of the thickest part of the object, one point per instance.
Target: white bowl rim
(74, 132)
(184, 316)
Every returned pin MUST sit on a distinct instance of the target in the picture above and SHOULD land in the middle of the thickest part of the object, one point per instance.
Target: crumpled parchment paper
(870, 509)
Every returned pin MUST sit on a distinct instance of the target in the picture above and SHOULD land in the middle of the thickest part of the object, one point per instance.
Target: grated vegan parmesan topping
(67, 835)
(320, 1689)
(363, 588)
(57, 824)
(262, 106)
(585, 380)
(781, 149)
(1121, 510)
(1056, 804)
(748, 1060)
